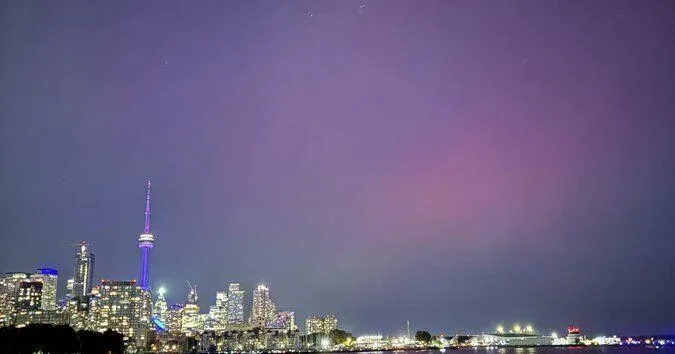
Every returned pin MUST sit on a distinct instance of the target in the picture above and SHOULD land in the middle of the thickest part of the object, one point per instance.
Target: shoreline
(433, 349)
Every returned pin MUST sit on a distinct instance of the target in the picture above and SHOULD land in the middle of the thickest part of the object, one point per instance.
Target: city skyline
(455, 165)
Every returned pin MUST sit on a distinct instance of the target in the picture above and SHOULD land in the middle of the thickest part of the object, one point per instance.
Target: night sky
(458, 164)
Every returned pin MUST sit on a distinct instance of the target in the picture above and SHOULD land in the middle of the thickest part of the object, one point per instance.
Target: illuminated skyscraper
(124, 307)
(9, 285)
(217, 319)
(160, 308)
(264, 311)
(284, 320)
(315, 324)
(84, 271)
(29, 305)
(192, 323)
(235, 305)
(70, 283)
(49, 279)
(79, 312)
(174, 319)
(145, 242)
(29, 296)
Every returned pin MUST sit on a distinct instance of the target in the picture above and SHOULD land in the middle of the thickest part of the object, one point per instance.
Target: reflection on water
(552, 350)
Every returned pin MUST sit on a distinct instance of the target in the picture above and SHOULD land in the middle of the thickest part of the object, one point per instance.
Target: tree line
(58, 339)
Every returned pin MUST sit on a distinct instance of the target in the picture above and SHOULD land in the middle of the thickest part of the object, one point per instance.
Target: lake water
(556, 350)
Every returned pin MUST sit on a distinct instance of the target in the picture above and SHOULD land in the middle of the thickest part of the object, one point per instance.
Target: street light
(529, 329)
(517, 328)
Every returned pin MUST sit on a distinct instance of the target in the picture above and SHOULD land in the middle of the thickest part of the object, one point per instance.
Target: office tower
(217, 319)
(124, 307)
(191, 322)
(313, 325)
(79, 313)
(317, 324)
(160, 307)
(84, 271)
(330, 323)
(235, 305)
(9, 285)
(49, 278)
(29, 296)
(264, 310)
(221, 299)
(174, 319)
(28, 309)
(145, 242)
(70, 283)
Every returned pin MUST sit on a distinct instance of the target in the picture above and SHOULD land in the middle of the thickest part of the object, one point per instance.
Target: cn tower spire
(147, 209)
(145, 242)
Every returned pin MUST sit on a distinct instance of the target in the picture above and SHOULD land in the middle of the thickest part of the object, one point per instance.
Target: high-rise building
(263, 311)
(160, 308)
(217, 319)
(174, 319)
(29, 296)
(125, 307)
(191, 321)
(285, 320)
(235, 305)
(84, 271)
(317, 324)
(29, 305)
(78, 312)
(9, 285)
(70, 283)
(313, 325)
(49, 278)
(145, 242)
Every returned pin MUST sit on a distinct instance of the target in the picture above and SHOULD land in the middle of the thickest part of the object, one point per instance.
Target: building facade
(174, 319)
(9, 285)
(29, 305)
(263, 311)
(235, 305)
(217, 318)
(318, 324)
(160, 308)
(285, 320)
(84, 271)
(125, 307)
(191, 320)
(49, 278)
(78, 311)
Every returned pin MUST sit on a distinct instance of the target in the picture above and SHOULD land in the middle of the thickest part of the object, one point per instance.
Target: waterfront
(549, 350)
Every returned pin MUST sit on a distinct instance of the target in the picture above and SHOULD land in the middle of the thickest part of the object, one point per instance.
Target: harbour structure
(146, 241)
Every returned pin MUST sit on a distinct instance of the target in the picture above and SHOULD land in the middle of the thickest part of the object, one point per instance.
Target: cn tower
(145, 242)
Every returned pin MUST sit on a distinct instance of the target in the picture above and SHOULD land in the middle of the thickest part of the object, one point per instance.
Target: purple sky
(457, 164)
